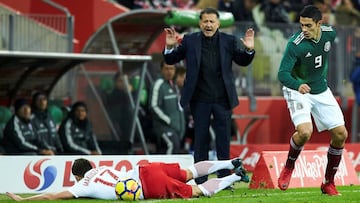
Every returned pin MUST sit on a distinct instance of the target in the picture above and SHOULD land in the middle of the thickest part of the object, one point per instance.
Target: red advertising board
(309, 170)
(250, 153)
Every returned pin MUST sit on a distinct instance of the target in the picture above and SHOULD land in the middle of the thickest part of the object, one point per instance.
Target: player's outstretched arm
(46, 196)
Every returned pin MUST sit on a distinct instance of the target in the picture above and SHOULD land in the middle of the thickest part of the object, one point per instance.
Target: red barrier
(309, 170)
(250, 153)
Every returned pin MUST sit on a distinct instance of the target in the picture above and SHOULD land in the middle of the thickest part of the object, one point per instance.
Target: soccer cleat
(240, 171)
(329, 189)
(236, 163)
(230, 187)
(284, 179)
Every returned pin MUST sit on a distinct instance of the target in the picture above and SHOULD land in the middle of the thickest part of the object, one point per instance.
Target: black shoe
(230, 187)
(236, 163)
(240, 171)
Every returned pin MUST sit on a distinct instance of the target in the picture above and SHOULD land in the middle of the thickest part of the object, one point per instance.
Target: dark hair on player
(80, 167)
(209, 11)
(312, 12)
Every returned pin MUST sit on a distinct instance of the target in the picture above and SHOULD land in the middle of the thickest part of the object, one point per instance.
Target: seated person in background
(19, 135)
(43, 123)
(76, 132)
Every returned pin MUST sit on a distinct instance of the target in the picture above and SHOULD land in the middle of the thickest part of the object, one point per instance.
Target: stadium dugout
(23, 72)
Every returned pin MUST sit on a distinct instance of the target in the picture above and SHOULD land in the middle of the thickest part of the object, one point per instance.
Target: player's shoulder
(327, 28)
(297, 38)
(328, 31)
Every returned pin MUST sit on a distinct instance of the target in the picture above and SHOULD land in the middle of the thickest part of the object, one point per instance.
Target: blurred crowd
(341, 12)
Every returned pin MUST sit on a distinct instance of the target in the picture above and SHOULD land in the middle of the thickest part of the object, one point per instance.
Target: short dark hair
(209, 11)
(80, 167)
(312, 12)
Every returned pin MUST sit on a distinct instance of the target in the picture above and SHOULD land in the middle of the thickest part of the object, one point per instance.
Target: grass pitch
(242, 194)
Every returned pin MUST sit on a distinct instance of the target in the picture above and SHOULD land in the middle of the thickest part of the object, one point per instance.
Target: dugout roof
(23, 72)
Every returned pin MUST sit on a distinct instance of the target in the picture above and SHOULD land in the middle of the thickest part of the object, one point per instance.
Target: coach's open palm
(248, 40)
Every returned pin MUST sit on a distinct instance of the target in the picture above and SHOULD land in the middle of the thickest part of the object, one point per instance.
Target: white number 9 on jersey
(318, 61)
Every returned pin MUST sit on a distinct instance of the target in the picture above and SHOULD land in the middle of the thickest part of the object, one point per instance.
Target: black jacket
(45, 127)
(21, 138)
(78, 137)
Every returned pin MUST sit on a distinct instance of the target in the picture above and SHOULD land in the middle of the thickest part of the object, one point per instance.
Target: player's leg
(328, 115)
(299, 108)
(203, 168)
(215, 185)
(338, 137)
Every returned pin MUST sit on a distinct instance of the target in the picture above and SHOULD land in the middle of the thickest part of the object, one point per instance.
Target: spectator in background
(241, 9)
(168, 116)
(187, 142)
(324, 6)
(275, 12)
(355, 72)
(133, 4)
(183, 4)
(346, 14)
(5, 115)
(44, 124)
(120, 111)
(202, 4)
(19, 134)
(355, 79)
(76, 132)
(356, 4)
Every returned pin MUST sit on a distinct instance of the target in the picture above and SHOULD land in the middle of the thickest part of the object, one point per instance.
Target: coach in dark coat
(209, 86)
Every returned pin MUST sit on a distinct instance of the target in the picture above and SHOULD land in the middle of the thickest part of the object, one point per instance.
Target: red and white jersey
(99, 183)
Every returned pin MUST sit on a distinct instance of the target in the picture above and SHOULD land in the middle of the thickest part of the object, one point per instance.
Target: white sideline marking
(258, 195)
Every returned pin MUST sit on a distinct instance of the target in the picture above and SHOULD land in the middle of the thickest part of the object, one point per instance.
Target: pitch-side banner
(250, 153)
(38, 174)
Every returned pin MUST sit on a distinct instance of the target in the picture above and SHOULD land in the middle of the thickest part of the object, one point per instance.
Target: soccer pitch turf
(243, 194)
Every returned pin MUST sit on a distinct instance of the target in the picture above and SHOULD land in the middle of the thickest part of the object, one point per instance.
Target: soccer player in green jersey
(302, 72)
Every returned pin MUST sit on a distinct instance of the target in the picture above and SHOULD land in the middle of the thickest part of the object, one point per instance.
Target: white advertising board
(38, 174)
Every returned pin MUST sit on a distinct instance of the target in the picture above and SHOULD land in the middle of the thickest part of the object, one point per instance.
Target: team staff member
(43, 122)
(19, 134)
(303, 71)
(76, 132)
(209, 86)
(158, 180)
(168, 116)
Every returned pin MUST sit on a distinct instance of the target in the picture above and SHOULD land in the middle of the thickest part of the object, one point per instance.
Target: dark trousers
(219, 115)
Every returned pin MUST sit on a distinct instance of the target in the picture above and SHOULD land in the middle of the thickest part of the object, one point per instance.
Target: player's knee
(304, 135)
(339, 135)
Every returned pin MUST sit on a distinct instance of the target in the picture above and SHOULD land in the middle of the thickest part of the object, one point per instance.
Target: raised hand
(248, 40)
(171, 37)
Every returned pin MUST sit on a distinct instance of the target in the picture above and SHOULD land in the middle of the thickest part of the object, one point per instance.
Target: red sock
(334, 158)
(293, 154)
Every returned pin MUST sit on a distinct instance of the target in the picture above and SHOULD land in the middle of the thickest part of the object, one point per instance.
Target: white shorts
(323, 107)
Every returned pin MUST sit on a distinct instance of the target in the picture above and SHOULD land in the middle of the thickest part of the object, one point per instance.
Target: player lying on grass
(158, 180)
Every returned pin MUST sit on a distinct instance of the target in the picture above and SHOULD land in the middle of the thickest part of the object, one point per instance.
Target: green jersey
(306, 61)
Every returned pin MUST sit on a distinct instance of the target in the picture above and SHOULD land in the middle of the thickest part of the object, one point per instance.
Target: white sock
(215, 185)
(203, 168)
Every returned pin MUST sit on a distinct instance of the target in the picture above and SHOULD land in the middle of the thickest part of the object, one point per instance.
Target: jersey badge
(299, 106)
(327, 46)
(308, 55)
